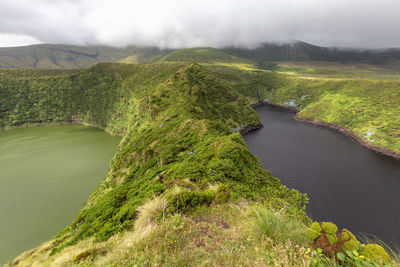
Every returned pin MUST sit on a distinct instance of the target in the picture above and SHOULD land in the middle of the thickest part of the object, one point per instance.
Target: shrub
(375, 253)
(315, 231)
(349, 241)
(186, 200)
(209, 195)
(329, 228)
(325, 236)
(223, 194)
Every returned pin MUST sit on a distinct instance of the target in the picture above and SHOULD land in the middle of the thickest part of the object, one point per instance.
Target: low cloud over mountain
(187, 23)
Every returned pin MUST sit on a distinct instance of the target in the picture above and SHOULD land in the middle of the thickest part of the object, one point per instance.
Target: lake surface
(348, 184)
(46, 175)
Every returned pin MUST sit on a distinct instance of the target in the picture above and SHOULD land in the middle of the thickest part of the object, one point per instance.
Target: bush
(315, 231)
(186, 200)
(223, 194)
(375, 253)
(350, 241)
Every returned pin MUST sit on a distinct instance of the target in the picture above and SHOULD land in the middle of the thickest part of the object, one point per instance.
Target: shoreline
(376, 149)
(39, 124)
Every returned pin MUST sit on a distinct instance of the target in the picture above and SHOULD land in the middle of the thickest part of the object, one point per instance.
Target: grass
(334, 70)
(279, 228)
(176, 120)
(219, 235)
(203, 55)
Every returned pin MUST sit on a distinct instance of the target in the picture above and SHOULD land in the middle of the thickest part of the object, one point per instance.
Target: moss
(349, 241)
(329, 228)
(187, 200)
(223, 194)
(209, 194)
(375, 253)
(332, 238)
(315, 231)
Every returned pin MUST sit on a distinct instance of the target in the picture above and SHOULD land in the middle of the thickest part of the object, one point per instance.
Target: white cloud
(8, 40)
(183, 23)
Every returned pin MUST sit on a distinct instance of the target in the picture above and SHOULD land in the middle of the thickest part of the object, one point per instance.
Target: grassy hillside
(368, 108)
(180, 140)
(301, 51)
(203, 55)
(183, 188)
(71, 57)
(45, 56)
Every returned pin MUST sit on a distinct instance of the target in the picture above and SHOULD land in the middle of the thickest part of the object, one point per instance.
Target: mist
(187, 23)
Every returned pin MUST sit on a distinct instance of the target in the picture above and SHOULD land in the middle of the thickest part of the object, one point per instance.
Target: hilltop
(202, 55)
(47, 56)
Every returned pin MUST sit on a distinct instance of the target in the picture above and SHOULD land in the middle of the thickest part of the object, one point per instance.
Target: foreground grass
(219, 235)
(231, 234)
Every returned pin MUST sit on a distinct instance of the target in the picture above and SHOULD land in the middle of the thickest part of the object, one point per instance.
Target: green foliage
(202, 55)
(318, 258)
(315, 231)
(280, 228)
(223, 194)
(344, 247)
(375, 253)
(350, 241)
(367, 108)
(46, 56)
(209, 194)
(329, 228)
(186, 200)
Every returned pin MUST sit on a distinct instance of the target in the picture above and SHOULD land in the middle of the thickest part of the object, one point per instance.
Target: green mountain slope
(179, 125)
(46, 56)
(367, 108)
(70, 57)
(202, 55)
(300, 51)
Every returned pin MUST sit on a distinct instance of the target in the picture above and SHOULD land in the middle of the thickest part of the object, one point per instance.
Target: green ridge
(177, 124)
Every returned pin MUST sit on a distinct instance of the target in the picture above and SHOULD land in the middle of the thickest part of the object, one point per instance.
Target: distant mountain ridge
(301, 51)
(47, 56)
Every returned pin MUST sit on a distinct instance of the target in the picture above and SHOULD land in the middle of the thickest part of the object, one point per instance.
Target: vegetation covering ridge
(365, 107)
(47, 56)
(51, 56)
(180, 126)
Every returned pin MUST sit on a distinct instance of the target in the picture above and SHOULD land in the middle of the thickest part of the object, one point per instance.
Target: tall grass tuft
(279, 227)
(149, 213)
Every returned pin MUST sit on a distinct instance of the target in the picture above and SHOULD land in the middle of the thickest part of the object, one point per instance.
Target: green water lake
(46, 175)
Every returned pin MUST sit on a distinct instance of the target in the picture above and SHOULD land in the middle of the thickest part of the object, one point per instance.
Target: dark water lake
(347, 184)
(46, 175)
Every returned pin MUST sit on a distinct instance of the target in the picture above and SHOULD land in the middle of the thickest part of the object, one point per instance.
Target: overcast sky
(188, 23)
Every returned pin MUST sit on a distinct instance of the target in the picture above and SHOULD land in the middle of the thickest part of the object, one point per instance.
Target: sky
(188, 23)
